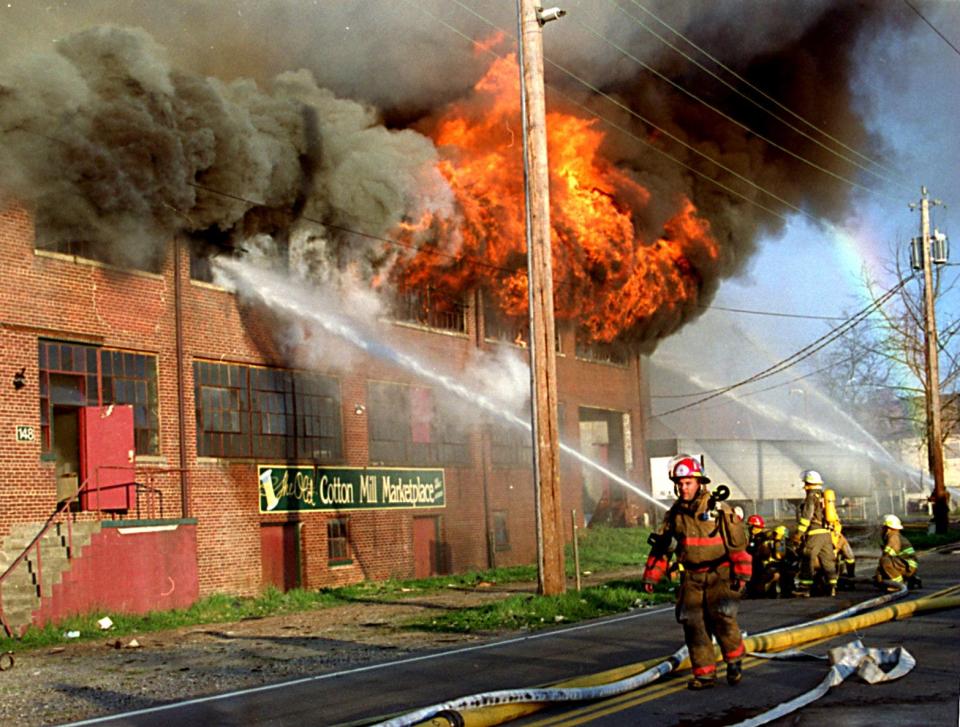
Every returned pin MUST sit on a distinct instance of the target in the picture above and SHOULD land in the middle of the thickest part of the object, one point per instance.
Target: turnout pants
(893, 569)
(817, 555)
(707, 606)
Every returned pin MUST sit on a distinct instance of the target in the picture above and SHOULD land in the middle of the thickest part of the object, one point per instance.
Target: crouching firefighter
(898, 560)
(711, 549)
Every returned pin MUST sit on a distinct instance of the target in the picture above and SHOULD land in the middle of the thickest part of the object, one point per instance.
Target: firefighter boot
(734, 672)
(846, 582)
(914, 583)
(702, 682)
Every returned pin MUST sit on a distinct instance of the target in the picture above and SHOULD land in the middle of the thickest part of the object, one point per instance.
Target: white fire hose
(602, 691)
(871, 665)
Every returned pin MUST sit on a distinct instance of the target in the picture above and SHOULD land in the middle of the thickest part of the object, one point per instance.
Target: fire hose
(514, 703)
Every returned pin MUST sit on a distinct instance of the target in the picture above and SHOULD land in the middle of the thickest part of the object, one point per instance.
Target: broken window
(75, 374)
(408, 428)
(266, 413)
(587, 350)
(430, 308)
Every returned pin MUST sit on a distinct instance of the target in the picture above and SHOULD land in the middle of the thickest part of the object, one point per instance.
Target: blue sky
(909, 90)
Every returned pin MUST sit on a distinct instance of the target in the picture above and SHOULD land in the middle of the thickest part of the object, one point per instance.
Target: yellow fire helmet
(781, 531)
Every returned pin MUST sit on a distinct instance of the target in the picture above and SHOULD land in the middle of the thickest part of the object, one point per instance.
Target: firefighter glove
(648, 588)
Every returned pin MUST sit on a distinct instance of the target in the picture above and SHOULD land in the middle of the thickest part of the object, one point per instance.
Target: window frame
(270, 407)
(390, 440)
(88, 362)
(501, 527)
(339, 551)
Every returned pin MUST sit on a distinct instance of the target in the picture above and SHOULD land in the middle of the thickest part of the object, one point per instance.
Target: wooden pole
(543, 361)
(576, 548)
(932, 389)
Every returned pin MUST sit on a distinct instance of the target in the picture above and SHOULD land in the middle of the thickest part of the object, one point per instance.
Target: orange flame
(607, 277)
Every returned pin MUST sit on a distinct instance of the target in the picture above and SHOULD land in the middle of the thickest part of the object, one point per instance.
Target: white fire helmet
(892, 522)
(811, 478)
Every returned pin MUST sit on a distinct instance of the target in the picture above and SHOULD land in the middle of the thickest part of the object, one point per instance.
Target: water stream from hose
(293, 301)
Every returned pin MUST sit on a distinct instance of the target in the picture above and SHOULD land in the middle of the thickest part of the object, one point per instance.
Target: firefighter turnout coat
(898, 560)
(818, 554)
(711, 549)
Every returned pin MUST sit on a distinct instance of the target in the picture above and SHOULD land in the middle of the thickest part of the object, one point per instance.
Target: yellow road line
(623, 701)
(641, 696)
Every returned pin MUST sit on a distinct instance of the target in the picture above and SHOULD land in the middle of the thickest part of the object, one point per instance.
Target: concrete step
(20, 593)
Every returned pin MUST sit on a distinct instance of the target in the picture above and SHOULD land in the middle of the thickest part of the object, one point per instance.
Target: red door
(107, 457)
(280, 555)
(425, 536)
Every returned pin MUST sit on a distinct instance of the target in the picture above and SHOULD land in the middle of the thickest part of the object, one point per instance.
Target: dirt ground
(81, 680)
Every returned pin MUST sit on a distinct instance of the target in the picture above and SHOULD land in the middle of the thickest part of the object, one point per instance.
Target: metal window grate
(431, 309)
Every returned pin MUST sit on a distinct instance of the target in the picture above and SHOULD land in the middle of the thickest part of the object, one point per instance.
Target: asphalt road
(927, 696)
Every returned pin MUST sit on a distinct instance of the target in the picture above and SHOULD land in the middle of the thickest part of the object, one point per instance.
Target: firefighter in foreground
(711, 548)
(898, 560)
(813, 534)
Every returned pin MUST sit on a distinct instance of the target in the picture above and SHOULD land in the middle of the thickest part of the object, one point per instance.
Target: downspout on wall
(181, 421)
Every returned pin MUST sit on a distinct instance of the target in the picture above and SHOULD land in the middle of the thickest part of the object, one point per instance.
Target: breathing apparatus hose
(497, 707)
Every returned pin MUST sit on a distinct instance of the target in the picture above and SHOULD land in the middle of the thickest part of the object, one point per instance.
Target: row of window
(73, 375)
(427, 307)
(261, 413)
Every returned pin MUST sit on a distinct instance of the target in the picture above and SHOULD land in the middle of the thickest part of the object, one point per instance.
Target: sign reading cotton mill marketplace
(288, 489)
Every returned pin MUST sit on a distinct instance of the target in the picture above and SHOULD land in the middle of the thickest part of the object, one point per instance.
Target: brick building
(223, 430)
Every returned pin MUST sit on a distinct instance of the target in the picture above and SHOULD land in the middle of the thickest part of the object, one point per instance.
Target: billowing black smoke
(116, 136)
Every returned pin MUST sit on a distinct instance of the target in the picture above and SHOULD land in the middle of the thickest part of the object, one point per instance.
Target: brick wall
(54, 296)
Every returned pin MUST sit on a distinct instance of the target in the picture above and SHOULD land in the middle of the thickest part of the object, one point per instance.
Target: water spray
(263, 284)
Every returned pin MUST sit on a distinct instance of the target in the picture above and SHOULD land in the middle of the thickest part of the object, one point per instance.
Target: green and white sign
(289, 489)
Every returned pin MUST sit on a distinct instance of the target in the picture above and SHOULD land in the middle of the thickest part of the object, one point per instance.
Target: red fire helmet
(755, 521)
(687, 466)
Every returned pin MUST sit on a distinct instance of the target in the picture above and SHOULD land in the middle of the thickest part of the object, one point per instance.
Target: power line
(744, 81)
(729, 118)
(800, 355)
(750, 393)
(772, 314)
(932, 26)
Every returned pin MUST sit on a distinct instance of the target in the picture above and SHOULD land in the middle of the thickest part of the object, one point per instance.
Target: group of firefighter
(719, 558)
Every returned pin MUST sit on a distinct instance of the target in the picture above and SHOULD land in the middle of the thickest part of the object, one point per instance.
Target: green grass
(605, 549)
(213, 609)
(920, 540)
(531, 612)
(601, 550)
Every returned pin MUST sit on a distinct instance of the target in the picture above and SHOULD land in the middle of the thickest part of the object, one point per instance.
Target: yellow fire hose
(773, 641)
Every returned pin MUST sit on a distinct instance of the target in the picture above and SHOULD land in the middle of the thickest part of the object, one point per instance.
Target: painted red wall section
(128, 570)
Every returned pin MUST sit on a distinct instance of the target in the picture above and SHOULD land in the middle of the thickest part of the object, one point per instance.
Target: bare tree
(877, 368)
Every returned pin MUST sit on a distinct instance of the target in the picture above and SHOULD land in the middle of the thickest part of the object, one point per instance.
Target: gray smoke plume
(290, 110)
(109, 143)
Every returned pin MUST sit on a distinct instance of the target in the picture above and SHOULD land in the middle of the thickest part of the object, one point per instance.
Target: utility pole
(543, 357)
(941, 507)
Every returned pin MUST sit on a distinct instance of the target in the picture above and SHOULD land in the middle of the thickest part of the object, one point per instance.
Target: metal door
(107, 457)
